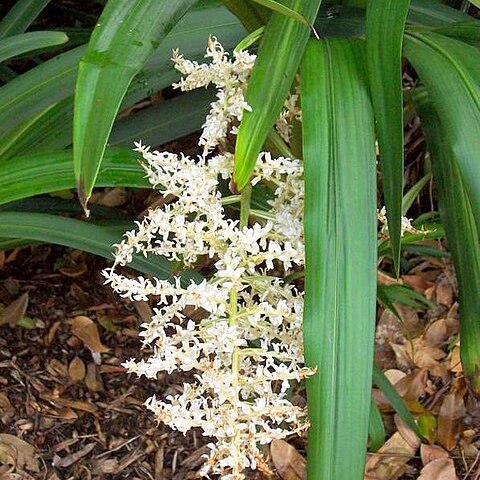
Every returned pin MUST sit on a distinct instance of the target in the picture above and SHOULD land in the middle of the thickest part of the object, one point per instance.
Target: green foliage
(340, 242)
(46, 146)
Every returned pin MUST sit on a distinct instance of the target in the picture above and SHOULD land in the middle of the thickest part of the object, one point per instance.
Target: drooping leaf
(277, 62)
(78, 234)
(21, 16)
(49, 172)
(461, 225)
(284, 10)
(385, 24)
(27, 42)
(37, 92)
(126, 34)
(340, 238)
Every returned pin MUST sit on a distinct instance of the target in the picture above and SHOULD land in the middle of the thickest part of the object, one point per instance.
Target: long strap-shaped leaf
(450, 71)
(127, 33)
(73, 233)
(26, 42)
(340, 237)
(20, 16)
(458, 216)
(277, 62)
(384, 33)
(48, 172)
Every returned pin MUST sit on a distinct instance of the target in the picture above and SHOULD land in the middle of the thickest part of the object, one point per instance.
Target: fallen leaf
(18, 453)
(109, 465)
(144, 310)
(64, 462)
(289, 463)
(76, 370)
(449, 421)
(7, 412)
(391, 460)
(87, 331)
(440, 469)
(64, 402)
(12, 313)
(429, 453)
(74, 272)
(56, 368)
(92, 380)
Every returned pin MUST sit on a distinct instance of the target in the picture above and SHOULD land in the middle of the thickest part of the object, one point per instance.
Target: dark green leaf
(21, 16)
(277, 62)
(126, 34)
(459, 217)
(77, 234)
(384, 33)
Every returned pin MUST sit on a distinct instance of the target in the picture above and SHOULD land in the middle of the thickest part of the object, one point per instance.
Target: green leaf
(246, 12)
(376, 430)
(413, 193)
(434, 13)
(21, 16)
(49, 172)
(390, 294)
(45, 85)
(39, 88)
(26, 42)
(164, 122)
(340, 268)
(277, 62)
(396, 401)
(467, 31)
(385, 24)
(450, 71)
(461, 225)
(48, 130)
(283, 10)
(126, 34)
(42, 227)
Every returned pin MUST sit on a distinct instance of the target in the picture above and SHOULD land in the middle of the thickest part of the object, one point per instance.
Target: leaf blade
(126, 35)
(385, 25)
(340, 218)
(278, 59)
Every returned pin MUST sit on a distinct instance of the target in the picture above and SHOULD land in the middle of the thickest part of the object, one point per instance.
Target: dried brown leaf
(56, 368)
(14, 312)
(64, 462)
(7, 412)
(64, 402)
(74, 272)
(144, 310)
(92, 380)
(76, 370)
(449, 420)
(87, 331)
(389, 463)
(289, 463)
(440, 469)
(18, 453)
(429, 453)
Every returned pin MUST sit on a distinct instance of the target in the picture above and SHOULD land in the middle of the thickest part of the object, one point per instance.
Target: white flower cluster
(230, 77)
(246, 349)
(406, 225)
(291, 111)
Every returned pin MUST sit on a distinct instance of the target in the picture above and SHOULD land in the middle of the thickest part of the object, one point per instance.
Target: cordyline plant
(246, 352)
(59, 128)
